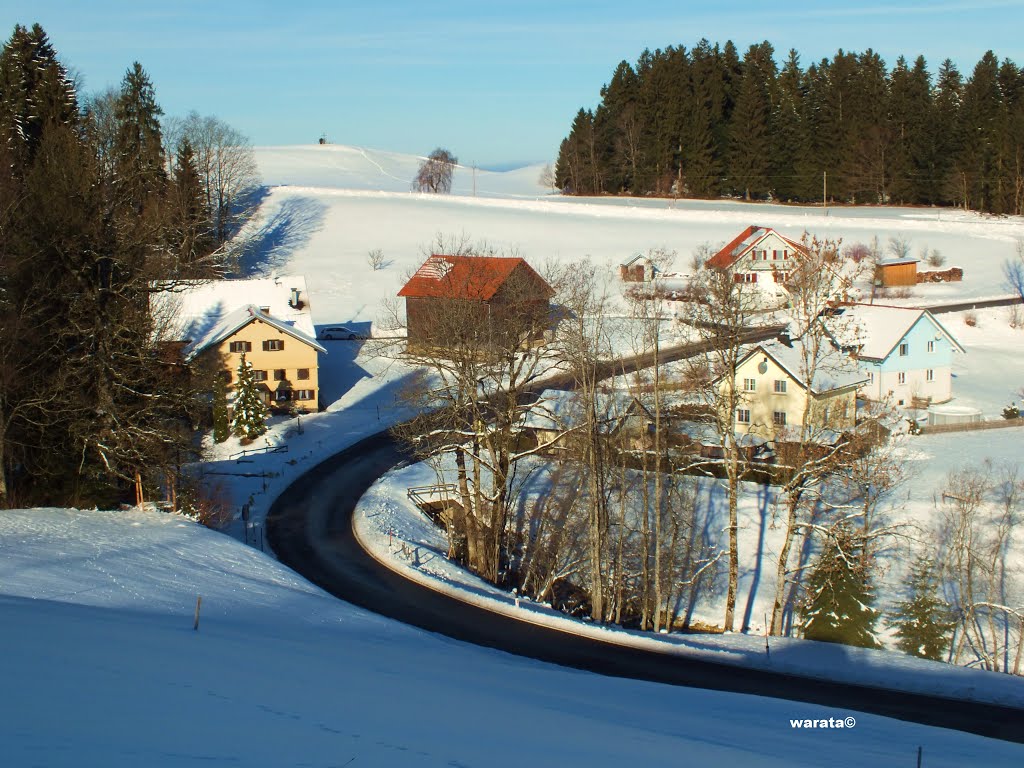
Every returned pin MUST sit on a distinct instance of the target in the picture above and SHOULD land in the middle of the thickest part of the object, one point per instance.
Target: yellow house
(772, 383)
(266, 319)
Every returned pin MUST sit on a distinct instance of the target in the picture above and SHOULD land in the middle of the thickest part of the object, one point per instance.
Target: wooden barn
(896, 272)
(476, 301)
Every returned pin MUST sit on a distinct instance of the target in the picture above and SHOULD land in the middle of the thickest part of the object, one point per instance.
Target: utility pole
(824, 189)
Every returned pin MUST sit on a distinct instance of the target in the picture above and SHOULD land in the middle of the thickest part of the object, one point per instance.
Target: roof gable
(873, 331)
(476, 278)
(833, 372)
(235, 321)
(746, 241)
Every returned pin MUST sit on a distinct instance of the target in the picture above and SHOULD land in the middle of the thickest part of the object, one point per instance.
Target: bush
(1011, 411)
(376, 259)
(971, 319)
(1015, 316)
(935, 259)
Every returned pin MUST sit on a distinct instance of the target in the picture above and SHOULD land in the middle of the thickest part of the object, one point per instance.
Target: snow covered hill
(342, 167)
(102, 667)
(327, 206)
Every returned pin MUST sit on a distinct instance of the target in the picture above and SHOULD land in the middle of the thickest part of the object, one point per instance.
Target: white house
(905, 353)
(761, 258)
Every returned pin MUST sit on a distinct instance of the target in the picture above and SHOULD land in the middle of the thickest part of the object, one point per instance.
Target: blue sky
(495, 83)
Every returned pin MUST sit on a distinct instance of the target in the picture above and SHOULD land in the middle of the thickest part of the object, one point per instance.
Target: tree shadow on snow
(272, 244)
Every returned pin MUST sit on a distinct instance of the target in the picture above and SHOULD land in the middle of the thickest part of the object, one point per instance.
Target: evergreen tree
(249, 420)
(139, 153)
(190, 225)
(221, 420)
(838, 607)
(923, 623)
(947, 136)
(981, 118)
(750, 141)
(788, 138)
(35, 92)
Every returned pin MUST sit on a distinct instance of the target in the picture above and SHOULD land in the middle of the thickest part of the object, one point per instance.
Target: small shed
(897, 272)
(638, 269)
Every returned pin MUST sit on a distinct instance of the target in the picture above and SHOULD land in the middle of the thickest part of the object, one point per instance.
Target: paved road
(963, 306)
(310, 529)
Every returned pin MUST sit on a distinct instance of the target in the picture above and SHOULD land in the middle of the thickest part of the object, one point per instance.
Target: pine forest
(709, 123)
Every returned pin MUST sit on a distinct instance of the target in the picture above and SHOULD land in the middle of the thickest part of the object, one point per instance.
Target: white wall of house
(901, 387)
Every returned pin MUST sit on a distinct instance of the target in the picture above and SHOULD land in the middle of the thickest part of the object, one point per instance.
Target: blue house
(905, 352)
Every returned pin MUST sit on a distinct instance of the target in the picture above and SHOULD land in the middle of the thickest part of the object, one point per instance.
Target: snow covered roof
(558, 410)
(833, 369)
(890, 262)
(204, 313)
(874, 330)
(745, 241)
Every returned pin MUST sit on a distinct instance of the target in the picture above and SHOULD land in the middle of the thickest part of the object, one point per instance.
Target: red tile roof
(732, 252)
(466, 277)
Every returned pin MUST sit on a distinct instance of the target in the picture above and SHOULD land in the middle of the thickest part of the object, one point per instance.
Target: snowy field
(328, 206)
(103, 668)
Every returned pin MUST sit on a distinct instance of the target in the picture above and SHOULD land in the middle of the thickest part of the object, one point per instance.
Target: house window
(780, 386)
(259, 375)
(779, 418)
(901, 377)
(283, 395)
(929, 375)
(785, 254)
(775, 255)
(279, 374)
(743, 415)
(302, 394)
(904, 350)
(750, 277)
(273, 345)
(931, 346)
(871, 377)
(750, 385)
(302, 374)
(240, 346)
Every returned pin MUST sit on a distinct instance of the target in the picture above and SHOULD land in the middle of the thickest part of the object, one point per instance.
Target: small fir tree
(923, 622)
(838, 608)
(221, 422)
(250, 417)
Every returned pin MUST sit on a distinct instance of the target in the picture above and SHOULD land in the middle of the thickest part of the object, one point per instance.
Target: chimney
(295, 302)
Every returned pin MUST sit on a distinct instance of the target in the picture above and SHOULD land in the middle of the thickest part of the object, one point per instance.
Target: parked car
(338, 332)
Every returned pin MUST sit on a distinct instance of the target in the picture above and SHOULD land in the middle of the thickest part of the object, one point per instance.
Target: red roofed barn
(460, 298)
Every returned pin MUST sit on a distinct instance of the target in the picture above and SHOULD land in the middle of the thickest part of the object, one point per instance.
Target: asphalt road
(310, 529)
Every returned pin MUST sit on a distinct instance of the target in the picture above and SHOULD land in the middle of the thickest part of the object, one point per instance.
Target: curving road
(310, 529)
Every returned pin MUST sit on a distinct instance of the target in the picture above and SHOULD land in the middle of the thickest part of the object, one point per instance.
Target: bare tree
(226, 165)
(435, 172)
(547, 177)
(1013, 271)
(473, 399)
(376, 259)
(981, 507)
(721, 314)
